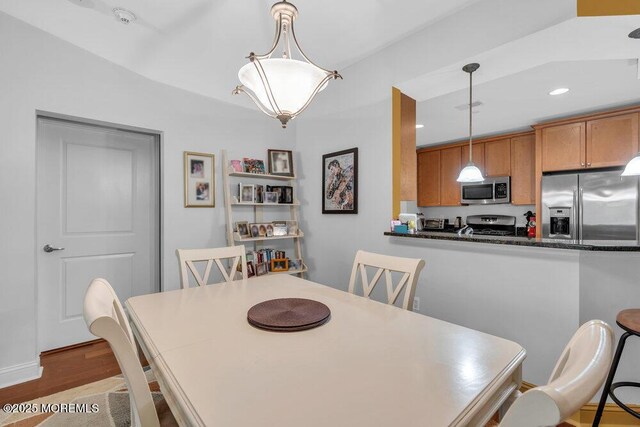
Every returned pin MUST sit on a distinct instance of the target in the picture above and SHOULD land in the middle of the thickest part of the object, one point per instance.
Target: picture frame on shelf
(236, 165)
(254, 230)
(296, 264)
(262, 269)
(199, 180)
(340, 182)
(247, 193)
(280, 162)
(270, 197)
(242, 228)
(279, 228)
(259, 194)
(253, 166)
(285, 193)
(292, 228)
(279, 264)
(250, 269)
(262, 230)
(269, 230)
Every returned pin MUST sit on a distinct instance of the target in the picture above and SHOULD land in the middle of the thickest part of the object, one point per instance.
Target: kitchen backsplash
(452, 212)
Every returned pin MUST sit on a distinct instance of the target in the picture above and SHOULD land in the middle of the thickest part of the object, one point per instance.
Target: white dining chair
(409, 268)
(577, 376)
(189, 257)
(106, 319)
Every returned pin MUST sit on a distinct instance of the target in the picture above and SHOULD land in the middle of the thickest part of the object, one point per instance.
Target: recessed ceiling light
(419, 126)
(559, 91)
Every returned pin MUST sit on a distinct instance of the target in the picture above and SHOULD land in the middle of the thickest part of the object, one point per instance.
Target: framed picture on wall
(340, 182)
(199, 180)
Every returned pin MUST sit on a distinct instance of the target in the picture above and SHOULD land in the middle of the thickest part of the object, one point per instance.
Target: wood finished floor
(66, 368)
(78, 365)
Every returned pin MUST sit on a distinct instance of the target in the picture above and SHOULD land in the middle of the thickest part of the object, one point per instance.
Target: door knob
(48, 248)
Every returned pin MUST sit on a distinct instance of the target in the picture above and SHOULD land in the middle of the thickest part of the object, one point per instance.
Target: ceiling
(199, 45)
(519, 100)
(591, 56)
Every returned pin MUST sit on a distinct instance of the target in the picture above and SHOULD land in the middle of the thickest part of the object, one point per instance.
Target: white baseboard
(20, 373)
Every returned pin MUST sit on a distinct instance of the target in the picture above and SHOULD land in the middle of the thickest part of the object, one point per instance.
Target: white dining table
(371, 364)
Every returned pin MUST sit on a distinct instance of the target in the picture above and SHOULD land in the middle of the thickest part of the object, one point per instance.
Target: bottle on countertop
(531, 223)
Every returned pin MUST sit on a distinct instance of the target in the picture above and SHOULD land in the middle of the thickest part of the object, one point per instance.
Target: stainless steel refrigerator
(590, 206)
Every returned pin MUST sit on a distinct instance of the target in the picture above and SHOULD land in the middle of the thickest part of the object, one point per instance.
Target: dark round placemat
(288, 314)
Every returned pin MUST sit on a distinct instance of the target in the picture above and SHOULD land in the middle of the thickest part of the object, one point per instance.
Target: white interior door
(98, 199)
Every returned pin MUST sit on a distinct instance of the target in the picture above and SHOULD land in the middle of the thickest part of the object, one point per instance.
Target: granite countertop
(583, 245)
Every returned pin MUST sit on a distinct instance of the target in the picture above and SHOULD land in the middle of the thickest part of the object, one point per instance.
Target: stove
(492, 225)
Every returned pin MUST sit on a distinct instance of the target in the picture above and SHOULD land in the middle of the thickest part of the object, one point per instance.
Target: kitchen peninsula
(583, 245)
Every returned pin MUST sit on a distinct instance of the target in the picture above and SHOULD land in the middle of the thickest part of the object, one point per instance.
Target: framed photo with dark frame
(199, 180)
(340, 182)
(280, 162)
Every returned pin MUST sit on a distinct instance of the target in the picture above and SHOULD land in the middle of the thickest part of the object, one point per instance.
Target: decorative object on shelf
(292, 228)
(236, 165)
(246, 193)
(253, 166)
(340, 182)
(243, 229)
(255, 231)
(470, 173)
(261, 269)
(279, 228)
(633, 167)
(284, 192)
(259, 196)
(269, 230)
(295, 264)
(279, 264)
(270, 197)
(280, 162)
(283, 87)
(199, 180)
(250, 269)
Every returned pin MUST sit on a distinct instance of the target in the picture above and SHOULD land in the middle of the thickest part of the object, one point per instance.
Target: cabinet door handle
(588, 165)
(582, 164)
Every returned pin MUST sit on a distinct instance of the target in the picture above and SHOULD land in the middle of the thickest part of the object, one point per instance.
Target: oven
(490, 191)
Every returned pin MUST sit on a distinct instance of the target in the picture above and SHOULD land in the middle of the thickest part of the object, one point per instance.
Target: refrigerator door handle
(574, 226)
(580, 213)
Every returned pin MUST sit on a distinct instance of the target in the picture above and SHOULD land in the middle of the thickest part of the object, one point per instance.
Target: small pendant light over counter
(633, 167)
(470, 173)
(283, 87)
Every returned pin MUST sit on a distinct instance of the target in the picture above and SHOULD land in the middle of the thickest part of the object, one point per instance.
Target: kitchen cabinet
(478, 156)
(497, 157)
(429, 178)
(450, 166)
(522, 170)
(564, 147)
(612, 141)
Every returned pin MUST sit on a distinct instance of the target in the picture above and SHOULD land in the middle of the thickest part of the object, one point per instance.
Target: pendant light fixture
(633, 167)
(470, 173)
(282, 87)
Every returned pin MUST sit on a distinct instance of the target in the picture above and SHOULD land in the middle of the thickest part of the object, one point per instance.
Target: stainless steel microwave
(489, 191)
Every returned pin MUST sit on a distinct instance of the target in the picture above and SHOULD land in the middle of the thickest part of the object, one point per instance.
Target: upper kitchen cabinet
(450, 166)
(522, 170)
(478, 156)
(497, 157)
(563, 147)
(612, 141)
(429, 178)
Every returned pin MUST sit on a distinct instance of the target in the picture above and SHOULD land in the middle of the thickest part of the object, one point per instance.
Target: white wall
(40, 72)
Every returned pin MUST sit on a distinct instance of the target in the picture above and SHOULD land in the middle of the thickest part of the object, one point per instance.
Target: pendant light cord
(470, 117)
